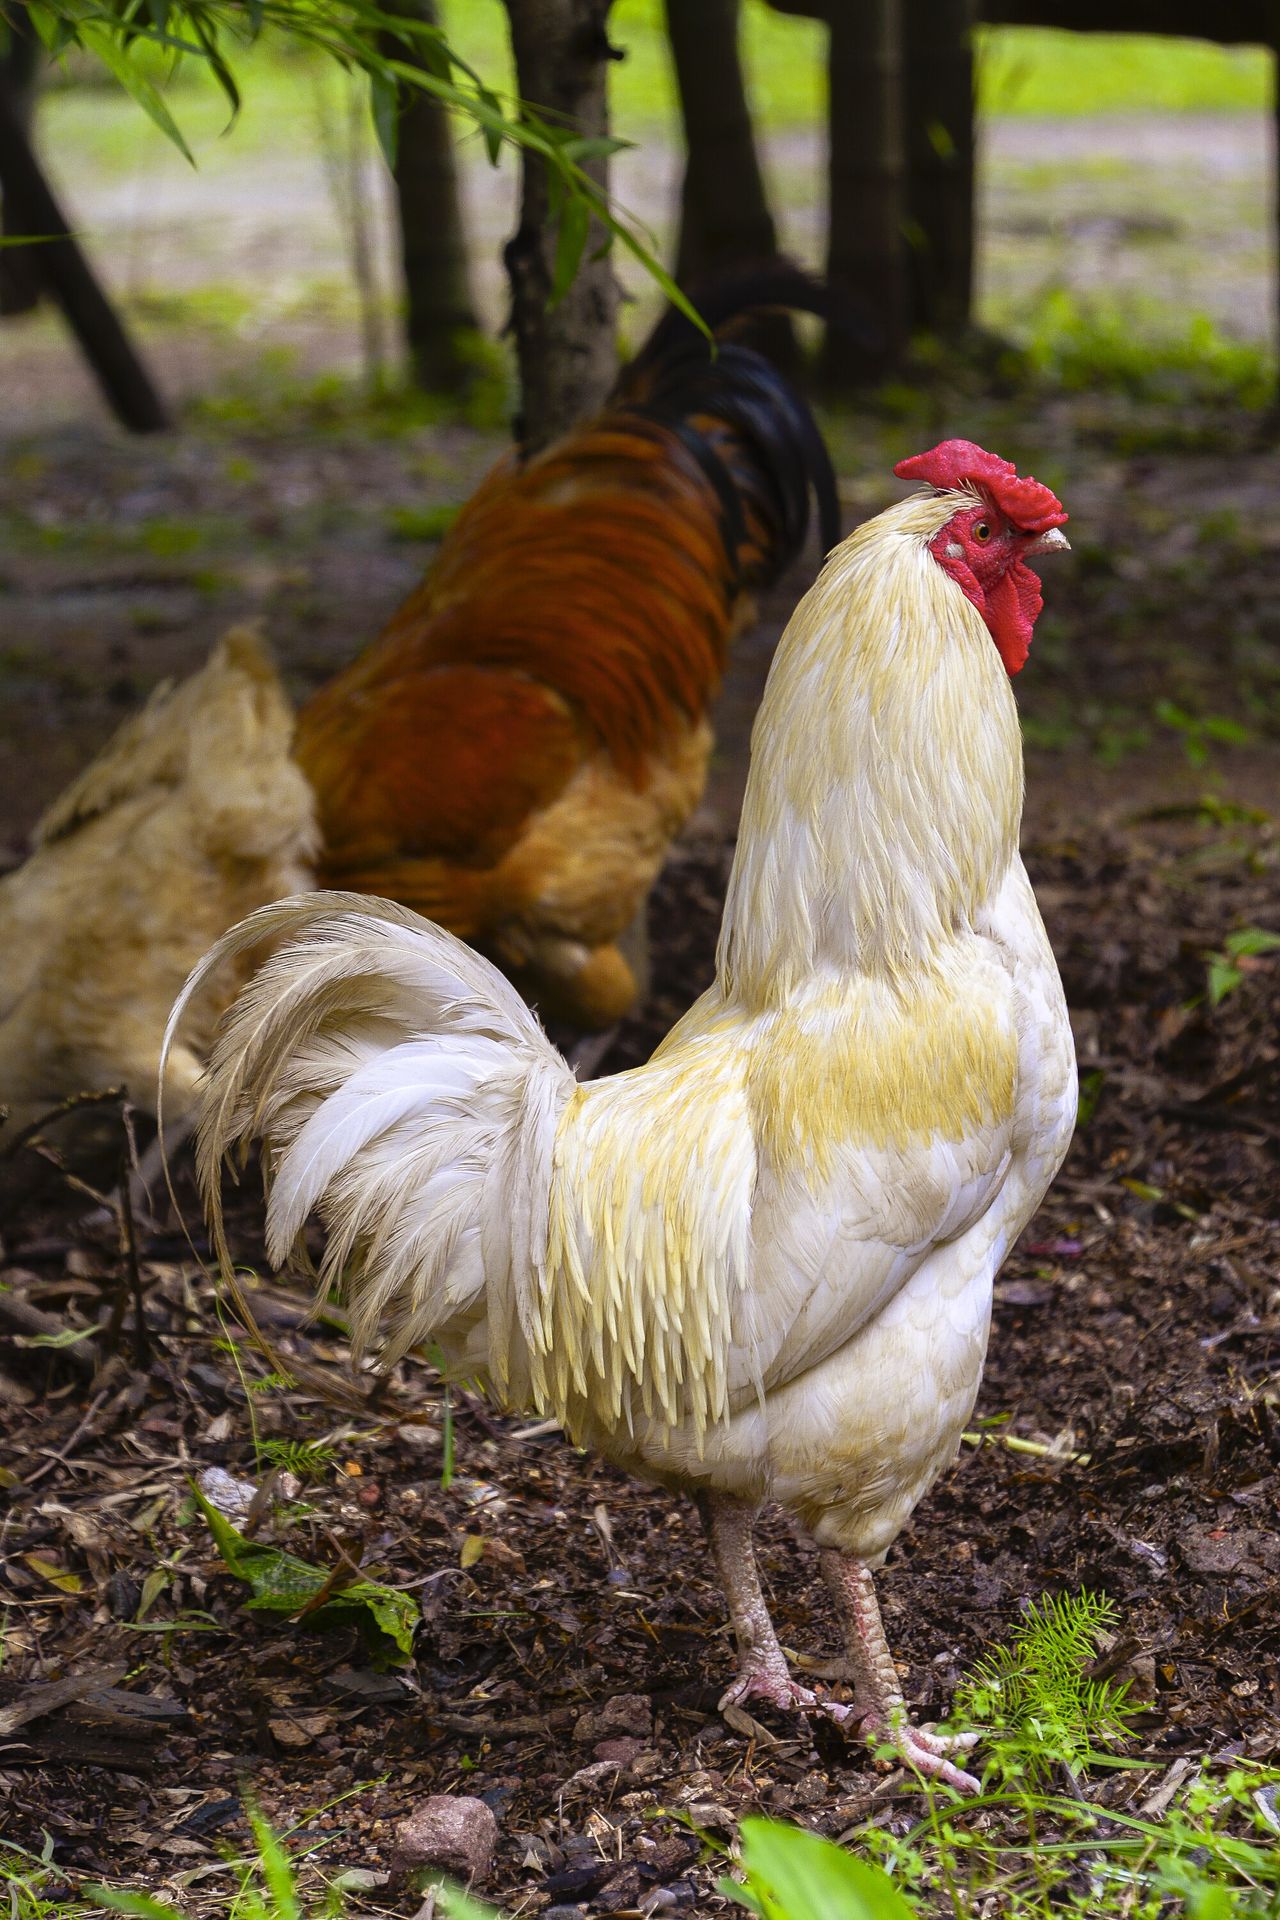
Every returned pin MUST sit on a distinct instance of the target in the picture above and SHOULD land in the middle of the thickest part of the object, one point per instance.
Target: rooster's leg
(878, 1706)
(762, 1666)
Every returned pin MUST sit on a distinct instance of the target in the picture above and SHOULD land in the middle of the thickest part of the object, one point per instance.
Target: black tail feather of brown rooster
(742, 418)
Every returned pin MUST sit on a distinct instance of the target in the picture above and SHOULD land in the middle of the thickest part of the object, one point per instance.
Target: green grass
(1022, 71)
(1139, 349)
(1034, 71)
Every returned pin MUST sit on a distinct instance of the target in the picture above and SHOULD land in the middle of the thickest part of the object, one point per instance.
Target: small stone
(231, 1497)
(358, 1880)
(448, 1830)
(288, 1733)
(1142, 1667)
(625, 1713)
(813, 1791)
(590, 1776)
(711, 1815)
(622, 1749)
(123, 1595)
(1216, 1550)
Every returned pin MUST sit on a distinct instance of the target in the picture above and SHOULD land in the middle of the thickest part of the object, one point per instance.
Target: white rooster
(759, 1267)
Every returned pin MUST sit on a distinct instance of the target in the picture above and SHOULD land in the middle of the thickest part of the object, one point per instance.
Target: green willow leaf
(571, 239)
(1252, 940)
(218, 66)
(796, 1875)
(1223, 979)
(102, 42)
(384, 103)
(493, 127)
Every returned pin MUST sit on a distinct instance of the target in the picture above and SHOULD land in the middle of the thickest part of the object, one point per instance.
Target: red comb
(958, 463)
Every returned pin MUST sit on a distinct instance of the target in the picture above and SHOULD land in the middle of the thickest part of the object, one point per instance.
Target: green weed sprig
(1035, 1695)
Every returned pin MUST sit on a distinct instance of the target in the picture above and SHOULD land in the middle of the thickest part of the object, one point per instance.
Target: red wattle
(1012, 607)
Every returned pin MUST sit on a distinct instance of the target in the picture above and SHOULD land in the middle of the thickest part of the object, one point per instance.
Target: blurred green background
(1123, 201)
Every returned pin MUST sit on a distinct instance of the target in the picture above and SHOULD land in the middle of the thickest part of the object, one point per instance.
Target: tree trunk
(724, 214)
(19, 266)
(725, 220)
(566, 353)
(67, 275)
(439, 313)
(866, 234)
(940, 151)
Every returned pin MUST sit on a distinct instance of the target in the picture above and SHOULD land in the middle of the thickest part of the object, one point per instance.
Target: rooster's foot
(878, 1710)
(766, 1683)
(762, 1666)
(917, 1747)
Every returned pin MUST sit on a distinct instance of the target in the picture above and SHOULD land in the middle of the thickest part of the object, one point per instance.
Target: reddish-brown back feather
(580, 606)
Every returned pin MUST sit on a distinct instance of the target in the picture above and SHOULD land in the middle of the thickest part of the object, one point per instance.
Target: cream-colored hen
(759, 1267)
(192, 816)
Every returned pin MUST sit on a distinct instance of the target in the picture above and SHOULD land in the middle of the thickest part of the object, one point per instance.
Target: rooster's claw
(917, 1747)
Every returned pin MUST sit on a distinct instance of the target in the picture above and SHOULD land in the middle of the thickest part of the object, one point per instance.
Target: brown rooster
(515, 754)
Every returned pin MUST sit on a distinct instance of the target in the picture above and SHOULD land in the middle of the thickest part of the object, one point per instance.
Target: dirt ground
(573, 1642)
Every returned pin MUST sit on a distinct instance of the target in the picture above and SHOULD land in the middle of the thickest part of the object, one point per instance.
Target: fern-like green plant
(1035, 1697)
(305, 1459)
(265, 1382)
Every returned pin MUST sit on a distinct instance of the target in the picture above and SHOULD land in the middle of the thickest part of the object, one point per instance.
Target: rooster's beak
(1054, 541)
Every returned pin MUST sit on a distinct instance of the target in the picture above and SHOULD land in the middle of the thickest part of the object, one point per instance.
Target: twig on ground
(57, 1693)
(61, 1456)
(129, 1242)
(17, 1315)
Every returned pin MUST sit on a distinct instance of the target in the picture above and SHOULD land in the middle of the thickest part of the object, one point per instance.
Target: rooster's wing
(429, 778)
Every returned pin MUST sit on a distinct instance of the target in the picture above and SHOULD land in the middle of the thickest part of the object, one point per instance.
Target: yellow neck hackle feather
(881, 813)
(885, 788)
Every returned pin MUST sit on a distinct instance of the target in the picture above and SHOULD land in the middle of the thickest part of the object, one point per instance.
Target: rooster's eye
(982, 533)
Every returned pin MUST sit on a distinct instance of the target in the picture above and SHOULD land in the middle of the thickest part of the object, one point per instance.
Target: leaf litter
(571, 1643)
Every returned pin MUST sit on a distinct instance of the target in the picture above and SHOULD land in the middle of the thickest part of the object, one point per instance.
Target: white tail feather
(402, 1090)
